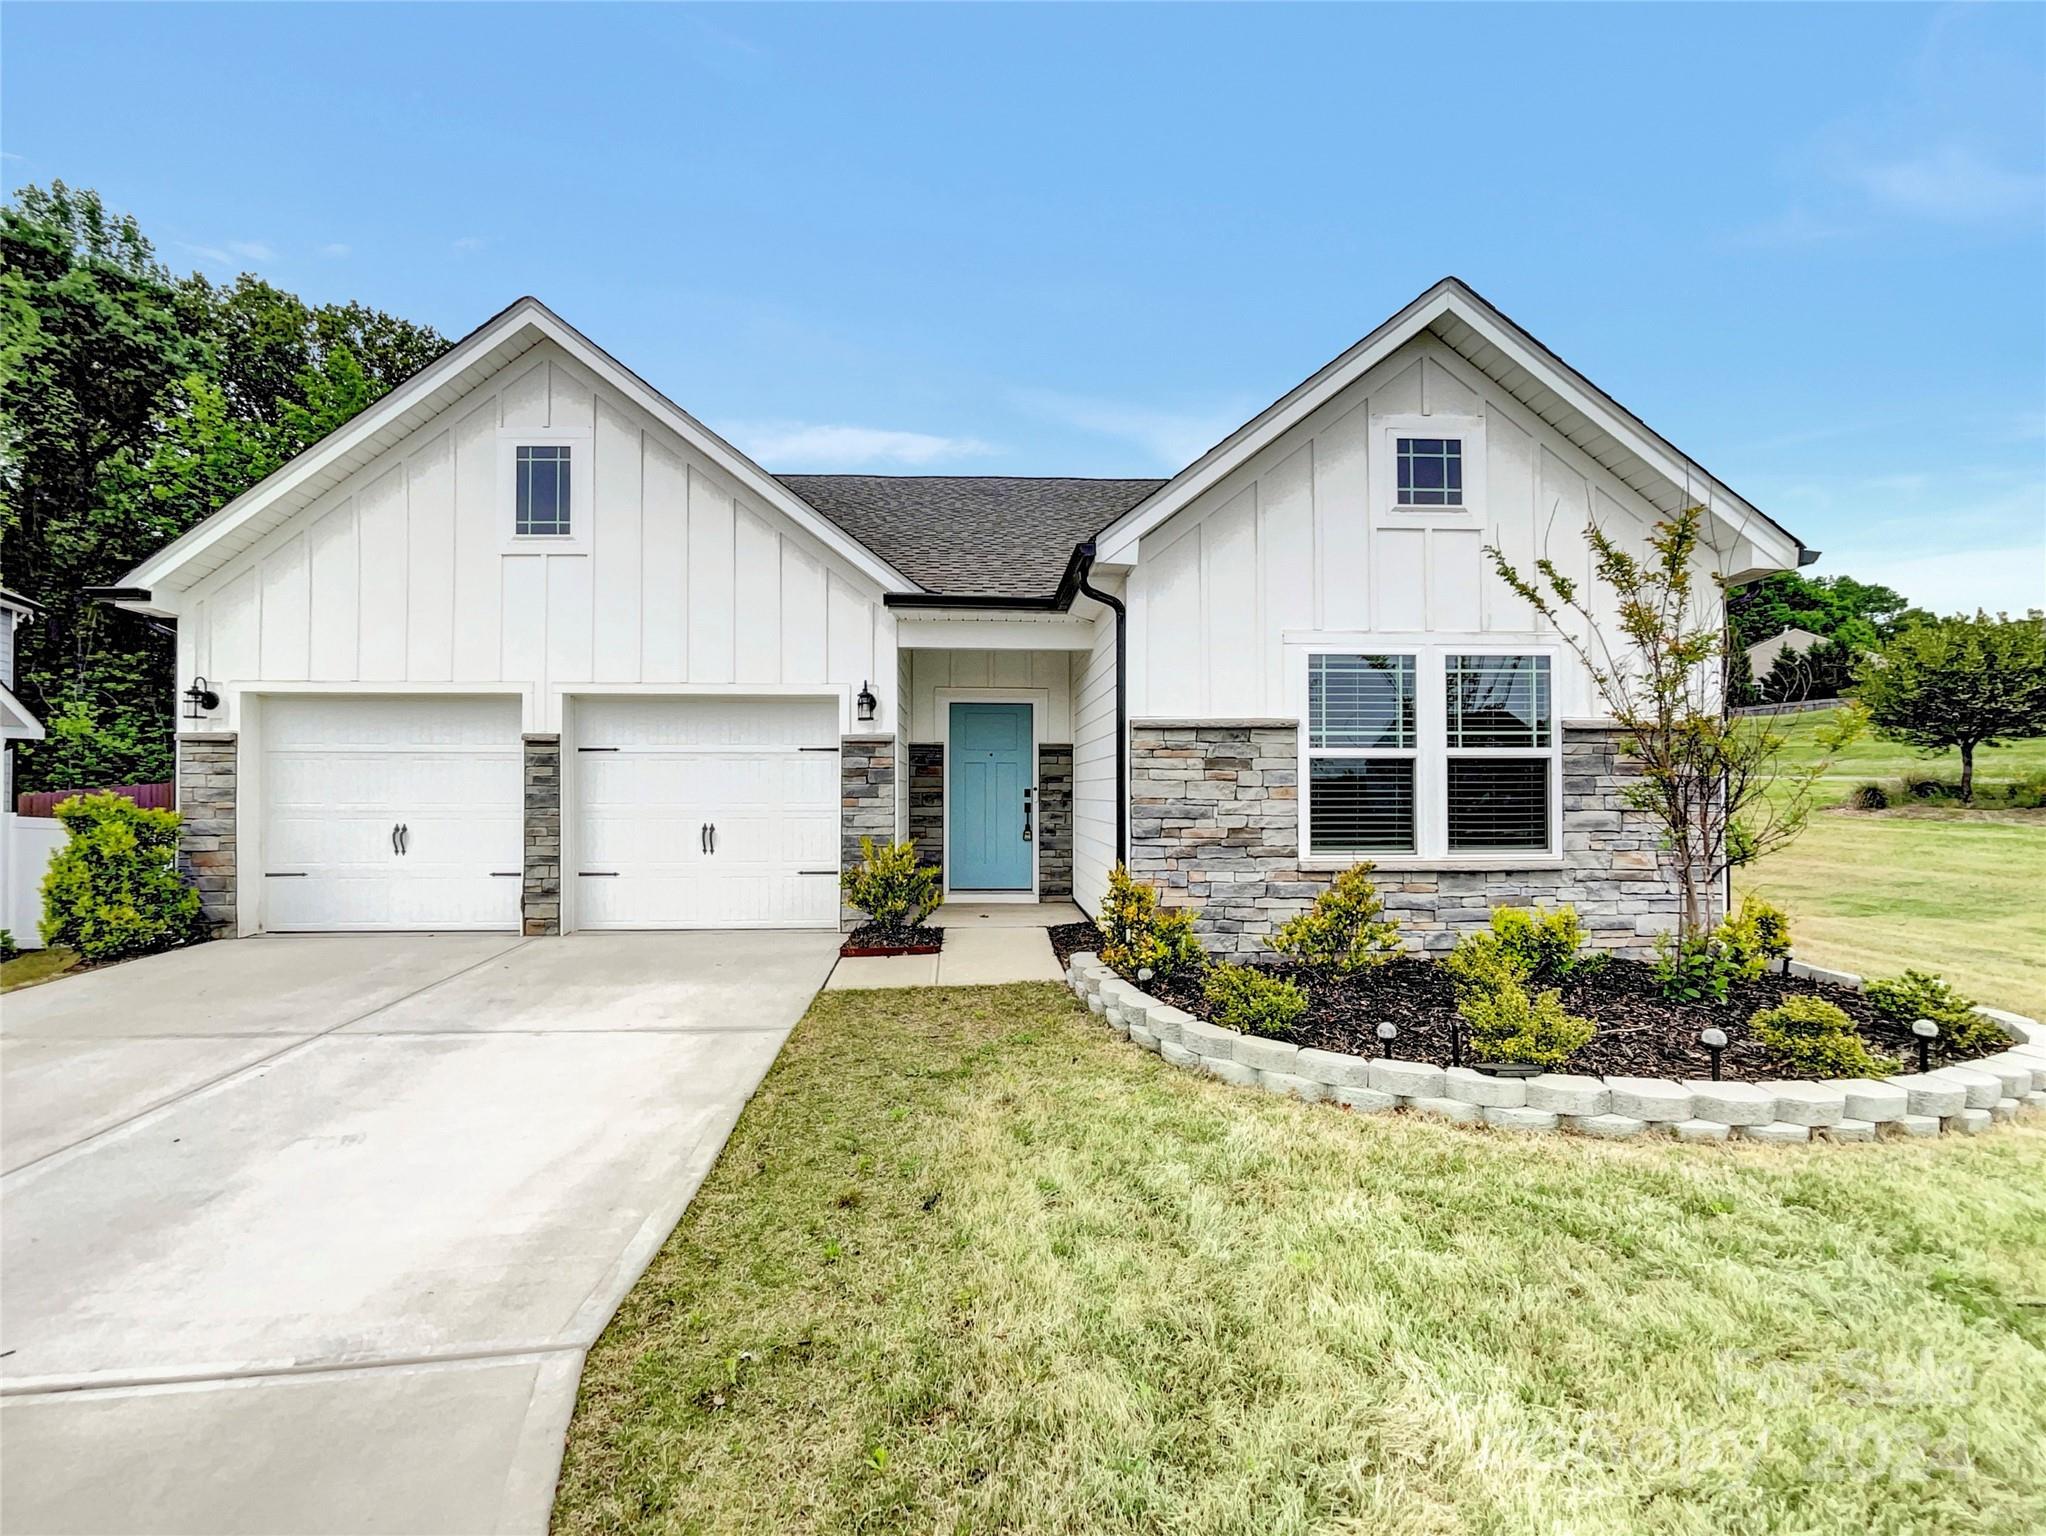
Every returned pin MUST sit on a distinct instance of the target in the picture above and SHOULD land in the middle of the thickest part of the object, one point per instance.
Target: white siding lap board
(391, 812)
(706, 812)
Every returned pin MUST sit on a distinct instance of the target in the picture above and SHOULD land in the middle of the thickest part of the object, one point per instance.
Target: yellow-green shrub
(1921, 995)
(1818, 1039)
(1244, 998)
(1506, 1024)
(890, 886)
(1139, 935)
(1529, 945)
(1753, 936)
(1345, 930)
(113, 889)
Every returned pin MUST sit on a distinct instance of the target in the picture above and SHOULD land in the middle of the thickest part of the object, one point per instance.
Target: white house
(525, 644)
(26, 842)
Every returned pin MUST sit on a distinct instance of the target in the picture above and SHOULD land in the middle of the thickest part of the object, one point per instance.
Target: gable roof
(1463, 319)
(973, 535)
(458, 372)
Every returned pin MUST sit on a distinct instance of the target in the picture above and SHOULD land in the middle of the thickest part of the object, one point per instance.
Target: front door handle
(1026, 815)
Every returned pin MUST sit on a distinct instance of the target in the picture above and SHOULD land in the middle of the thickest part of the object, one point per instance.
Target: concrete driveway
(311, 1233)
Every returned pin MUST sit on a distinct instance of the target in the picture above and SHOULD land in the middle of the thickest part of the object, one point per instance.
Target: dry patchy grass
(969, 1264)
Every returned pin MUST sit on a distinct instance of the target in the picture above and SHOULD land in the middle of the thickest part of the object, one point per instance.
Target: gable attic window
(1430, 471)
(541, 475)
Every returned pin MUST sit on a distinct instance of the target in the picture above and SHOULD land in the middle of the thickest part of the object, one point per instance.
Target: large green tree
(1960, 682)
(132, 404)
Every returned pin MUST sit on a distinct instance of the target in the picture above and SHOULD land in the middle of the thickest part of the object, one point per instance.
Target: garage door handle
(284, 874)
(404, 838)
(713, 837)
(394, 839)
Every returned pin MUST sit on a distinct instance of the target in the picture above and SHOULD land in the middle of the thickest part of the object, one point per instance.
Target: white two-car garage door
(706, 813)
(391, 812)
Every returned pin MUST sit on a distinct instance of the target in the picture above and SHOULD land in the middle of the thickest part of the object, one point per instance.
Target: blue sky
(1807, 244)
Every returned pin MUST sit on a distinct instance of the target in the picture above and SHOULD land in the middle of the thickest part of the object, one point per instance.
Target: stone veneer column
(1054, 822)
(1215, 823)
(540, 897)
(927, 801)
(866, 773)
(206, 831)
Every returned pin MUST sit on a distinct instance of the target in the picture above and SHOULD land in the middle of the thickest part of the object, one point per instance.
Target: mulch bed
(872, 939)
(1640, 1034)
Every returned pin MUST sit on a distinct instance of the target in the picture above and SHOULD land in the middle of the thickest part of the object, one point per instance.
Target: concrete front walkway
(311, 1234)
(986, 944)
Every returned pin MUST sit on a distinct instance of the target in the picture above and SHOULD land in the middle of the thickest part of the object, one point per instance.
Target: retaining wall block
(1658, 1100)
(1983, 1087)
(1209, 1040)
(1166, 1021)
(1774, 1132)
(1865, 1099)
(1911, 1125)
(1143, 1037)
(1406, 1079)
(1730, 1103)
(1293, 1085)
(1566, 1093)
(2003, 1111)
(1267, 1055)
(1605, 1127)
(1454, 1110)
(1848, 1129)
(1931, 1095)
(1369, 1101)
(1335, 1068)
(1969, 1122)
(1701, 1130)
(2015, 1076)
(1177, 1054)
(1517, 1117)
(1820, 974)
(1487, 1092)
(1230, 1071)
(1803, 1103)
(2016, 1025)
(2036, 1100)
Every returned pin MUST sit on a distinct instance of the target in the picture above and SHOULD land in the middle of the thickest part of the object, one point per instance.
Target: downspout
(1083, 559)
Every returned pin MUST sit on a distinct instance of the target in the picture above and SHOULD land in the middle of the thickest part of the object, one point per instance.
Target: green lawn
(970, 1264)
(1952, 891)
(35, 965)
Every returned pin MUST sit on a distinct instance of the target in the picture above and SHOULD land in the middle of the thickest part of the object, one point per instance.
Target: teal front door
(990, 821)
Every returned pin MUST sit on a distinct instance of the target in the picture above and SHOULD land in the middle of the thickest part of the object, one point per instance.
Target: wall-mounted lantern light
(867, 703)
(200, 700)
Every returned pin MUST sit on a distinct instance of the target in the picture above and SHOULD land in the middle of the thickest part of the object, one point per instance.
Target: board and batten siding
(1094, 789)
(1048, 673)
(407, 573)
(1300, 546)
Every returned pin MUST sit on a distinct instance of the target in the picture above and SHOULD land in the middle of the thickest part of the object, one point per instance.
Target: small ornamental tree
(1711, 780)
(1960, 682)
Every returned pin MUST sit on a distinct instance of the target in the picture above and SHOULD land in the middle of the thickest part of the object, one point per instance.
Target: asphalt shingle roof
(988, 535)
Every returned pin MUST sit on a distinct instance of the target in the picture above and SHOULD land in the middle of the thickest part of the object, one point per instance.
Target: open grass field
(1953, 891)
(970, 1264)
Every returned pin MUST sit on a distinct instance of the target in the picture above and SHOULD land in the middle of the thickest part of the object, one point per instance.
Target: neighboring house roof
(1763, 653)
(16, 722)
(1598, 424)
(12, 599)
(987, 535)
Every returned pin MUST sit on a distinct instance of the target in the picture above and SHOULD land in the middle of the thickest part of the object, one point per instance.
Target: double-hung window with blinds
(1362, 743)
(1386, 777)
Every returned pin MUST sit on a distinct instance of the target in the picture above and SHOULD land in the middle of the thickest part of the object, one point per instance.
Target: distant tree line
(133, 403)
(1851, 618)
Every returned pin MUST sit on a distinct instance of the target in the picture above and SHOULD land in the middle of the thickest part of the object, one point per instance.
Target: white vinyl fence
(26, 844)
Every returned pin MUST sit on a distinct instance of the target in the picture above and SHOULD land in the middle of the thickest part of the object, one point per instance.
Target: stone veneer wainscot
(866, 773)
(206, 834)
(540, 898)
(1215, 823)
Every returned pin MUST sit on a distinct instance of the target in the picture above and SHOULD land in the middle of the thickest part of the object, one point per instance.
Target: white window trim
(581, 480)
(1431, 755)
(1385, 503)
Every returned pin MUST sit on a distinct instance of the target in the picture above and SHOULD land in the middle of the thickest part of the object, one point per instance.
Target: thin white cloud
(468, 243)
(1170, 439)
(336, 250)
(1952, 183)
(231, 253)
(791, 445)
(2011, 580)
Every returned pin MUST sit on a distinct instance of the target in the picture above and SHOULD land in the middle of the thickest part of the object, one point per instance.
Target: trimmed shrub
(1528, 946)
(1506, 1024)
(113, 890)
(1870, 797)
(1817, 1039)
(1253, 1001)
(1753, 936)
(1694, 969)
(8, 948)
(1345, 930)
(891, 888)
(1915, 995)
(1138, 935)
